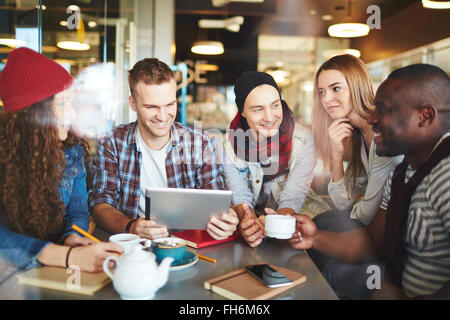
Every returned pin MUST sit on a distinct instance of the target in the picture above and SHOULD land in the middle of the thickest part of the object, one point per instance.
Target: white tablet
(186, 208)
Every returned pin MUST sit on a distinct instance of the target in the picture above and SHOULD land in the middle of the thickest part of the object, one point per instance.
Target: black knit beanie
(248, 81)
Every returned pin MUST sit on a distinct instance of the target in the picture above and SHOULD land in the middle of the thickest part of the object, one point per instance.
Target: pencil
(84, 233)
(206, 258)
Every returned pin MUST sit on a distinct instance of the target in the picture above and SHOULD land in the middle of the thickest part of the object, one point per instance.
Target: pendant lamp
(348, 29)
(436, 4)
(208, 47)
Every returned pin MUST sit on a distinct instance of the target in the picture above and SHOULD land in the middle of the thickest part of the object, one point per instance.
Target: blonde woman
(343, 101)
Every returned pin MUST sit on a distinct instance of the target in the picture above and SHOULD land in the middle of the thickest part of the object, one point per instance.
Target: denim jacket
(22, 250)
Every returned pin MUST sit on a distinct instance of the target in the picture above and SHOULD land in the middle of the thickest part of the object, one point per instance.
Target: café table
(187, 284)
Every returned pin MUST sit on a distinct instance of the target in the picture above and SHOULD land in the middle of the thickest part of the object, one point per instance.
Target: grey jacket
(291, 190)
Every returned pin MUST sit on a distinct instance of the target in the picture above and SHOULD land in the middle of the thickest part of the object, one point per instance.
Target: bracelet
(128, 227)
(67, 256)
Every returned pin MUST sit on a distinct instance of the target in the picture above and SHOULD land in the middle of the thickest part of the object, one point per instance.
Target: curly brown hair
(31, 165)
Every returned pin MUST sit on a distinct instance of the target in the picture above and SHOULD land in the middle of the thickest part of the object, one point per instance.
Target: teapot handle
(105, 265)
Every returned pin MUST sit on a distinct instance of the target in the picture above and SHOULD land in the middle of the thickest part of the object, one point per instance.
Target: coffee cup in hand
(280, 226)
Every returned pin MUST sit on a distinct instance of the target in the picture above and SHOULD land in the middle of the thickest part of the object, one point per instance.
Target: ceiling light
(220, 3)
(12, 42)
(348, 30)
(208, 47)
(280, 76)
(327, 17)
(73, 7)
(92, 24)
(232, 24)
(436, 4)
(233, 27)
(63, 23)
(328, 54)
(73, 45)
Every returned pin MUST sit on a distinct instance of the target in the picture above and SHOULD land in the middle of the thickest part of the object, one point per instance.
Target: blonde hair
(362, 97)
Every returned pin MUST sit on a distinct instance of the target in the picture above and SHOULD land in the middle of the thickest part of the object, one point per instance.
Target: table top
(187, 284)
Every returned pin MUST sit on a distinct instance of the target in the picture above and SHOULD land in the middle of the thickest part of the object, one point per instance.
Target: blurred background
(287, 38)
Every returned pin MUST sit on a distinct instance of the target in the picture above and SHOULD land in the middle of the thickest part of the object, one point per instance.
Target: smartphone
(267, 275)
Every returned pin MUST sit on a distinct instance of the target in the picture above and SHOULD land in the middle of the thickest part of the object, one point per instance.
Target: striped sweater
(427, 239)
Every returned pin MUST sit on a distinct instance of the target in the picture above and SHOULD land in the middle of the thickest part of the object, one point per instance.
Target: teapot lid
(138, 254)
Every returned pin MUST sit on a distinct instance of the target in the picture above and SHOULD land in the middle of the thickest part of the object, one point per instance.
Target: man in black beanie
(270, 158)
(247, 82)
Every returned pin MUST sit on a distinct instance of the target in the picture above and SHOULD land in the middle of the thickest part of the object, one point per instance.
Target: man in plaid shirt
(154, 151)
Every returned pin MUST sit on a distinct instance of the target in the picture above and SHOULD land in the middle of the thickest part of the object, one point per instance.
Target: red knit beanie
(30, 77)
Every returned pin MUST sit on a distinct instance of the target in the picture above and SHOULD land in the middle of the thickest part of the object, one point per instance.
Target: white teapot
(137, 276)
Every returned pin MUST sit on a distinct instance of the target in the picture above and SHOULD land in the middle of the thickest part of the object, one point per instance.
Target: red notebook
(200, 238)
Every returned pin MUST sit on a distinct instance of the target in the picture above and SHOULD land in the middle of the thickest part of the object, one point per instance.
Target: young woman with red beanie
(42, 173)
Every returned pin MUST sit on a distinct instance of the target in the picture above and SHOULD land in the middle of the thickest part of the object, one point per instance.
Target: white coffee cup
(127, 240)
(280, 226)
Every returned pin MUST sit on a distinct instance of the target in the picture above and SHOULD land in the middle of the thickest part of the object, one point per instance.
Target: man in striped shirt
(412, 118)
(154, 151)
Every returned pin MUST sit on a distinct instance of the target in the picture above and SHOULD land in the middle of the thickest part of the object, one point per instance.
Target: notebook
(60, 279)
(240, 285)
(201, 238)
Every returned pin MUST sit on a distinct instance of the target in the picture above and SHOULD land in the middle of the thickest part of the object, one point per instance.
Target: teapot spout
(163, 270)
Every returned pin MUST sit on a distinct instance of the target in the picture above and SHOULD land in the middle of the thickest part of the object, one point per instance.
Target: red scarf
(280, 143)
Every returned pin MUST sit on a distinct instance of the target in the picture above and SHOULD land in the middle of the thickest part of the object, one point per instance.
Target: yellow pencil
(84, 233)
(206, 258)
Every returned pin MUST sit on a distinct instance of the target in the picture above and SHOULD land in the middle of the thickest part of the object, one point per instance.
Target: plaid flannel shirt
(190, 163)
